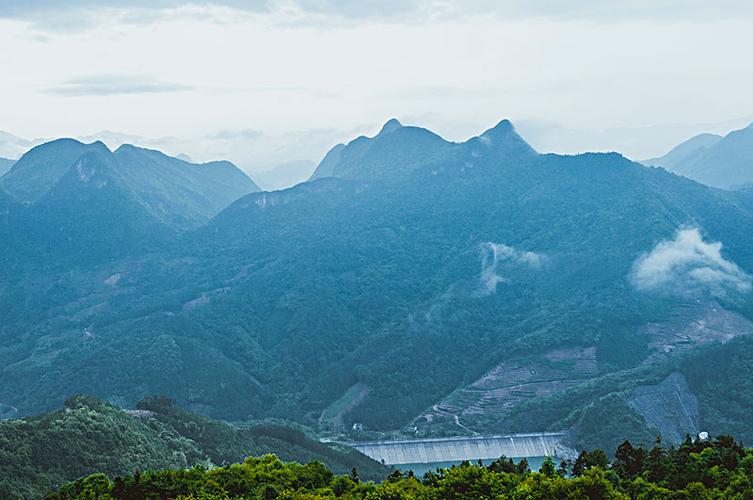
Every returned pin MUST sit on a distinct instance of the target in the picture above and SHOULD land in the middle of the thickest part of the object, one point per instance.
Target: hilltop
(41, 453)
(421, 287)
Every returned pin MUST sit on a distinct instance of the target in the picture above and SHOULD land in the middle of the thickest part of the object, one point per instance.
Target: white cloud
(495, 254)
(408, 10)
(688, 265)
(286, 65)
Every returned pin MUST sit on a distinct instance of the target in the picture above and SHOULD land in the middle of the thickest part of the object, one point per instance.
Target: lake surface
(419, 469)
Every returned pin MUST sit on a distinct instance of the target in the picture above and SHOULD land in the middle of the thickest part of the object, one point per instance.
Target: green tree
(547, 468)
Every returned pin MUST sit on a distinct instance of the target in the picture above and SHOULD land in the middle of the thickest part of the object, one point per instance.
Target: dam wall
(414, 451)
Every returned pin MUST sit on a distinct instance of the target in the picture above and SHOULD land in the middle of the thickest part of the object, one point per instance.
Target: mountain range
(176, 192)
(414, 285)
(274, 160)
(720, 161)
(69, 200)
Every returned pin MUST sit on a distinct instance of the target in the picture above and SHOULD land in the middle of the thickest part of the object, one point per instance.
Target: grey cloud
(58, 14)
(80, 15)
(24, 9)
(108, 85)
(364, 8)
(688, 266)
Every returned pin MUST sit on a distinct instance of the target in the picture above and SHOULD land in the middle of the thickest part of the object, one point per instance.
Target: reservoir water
(419, 469)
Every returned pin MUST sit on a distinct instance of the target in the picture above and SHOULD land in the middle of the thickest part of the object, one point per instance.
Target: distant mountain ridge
(285, 175)
(723, 162)
(413, 286)
(181, 193)
(68, 202)
(176, 192)
(12, 146)
(397, 150)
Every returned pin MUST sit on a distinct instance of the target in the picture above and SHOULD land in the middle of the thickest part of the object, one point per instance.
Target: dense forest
(39, 454)
(719, 468)
(413, 290)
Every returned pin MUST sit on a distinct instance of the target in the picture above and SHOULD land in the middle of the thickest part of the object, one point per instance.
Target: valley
(421, 289)
(401, 250)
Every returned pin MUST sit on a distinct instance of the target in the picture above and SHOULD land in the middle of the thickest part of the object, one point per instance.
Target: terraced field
(691, 325)
(517, 380)
(514, 381)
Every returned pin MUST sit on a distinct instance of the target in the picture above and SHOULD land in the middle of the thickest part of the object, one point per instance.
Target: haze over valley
(375, 241)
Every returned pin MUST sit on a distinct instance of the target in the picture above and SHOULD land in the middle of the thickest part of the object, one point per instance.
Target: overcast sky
(269, 81)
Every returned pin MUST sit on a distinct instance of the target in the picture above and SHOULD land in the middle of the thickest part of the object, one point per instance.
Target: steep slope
(89, 435)
(326, 167)
(685, 154)
(397, 151)
(180, 193)
(89, 215)
(91, 210)
(420, 253)
(82, 201)
(723, 392)
(5, 165)
(394, 152)
(720, 162)
(416, 269)
(7, 207)
(41, 168)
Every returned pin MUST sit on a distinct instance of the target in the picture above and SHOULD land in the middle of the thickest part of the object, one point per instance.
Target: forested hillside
(5, 165)
(38, 454)
(696, 469)
(416, 285)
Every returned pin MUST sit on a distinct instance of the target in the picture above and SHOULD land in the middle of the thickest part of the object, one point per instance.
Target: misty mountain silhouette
(421, 272)
(723, 162)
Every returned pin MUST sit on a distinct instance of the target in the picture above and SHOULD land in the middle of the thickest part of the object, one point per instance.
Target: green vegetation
(332, 416)
(39, 454)
(282, 302)
(722, 378)
(694, 470)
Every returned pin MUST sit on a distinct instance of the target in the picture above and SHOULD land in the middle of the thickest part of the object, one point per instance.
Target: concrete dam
(414, 451)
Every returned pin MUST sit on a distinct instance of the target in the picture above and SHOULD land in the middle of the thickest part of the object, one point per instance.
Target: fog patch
(494, 255)
(688, 265)
(113, 280)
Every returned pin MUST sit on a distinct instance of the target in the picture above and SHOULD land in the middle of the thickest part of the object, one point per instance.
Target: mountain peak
(40, 168)
(503, 127)
(390, 125)
(125, 147)
(504, 137)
